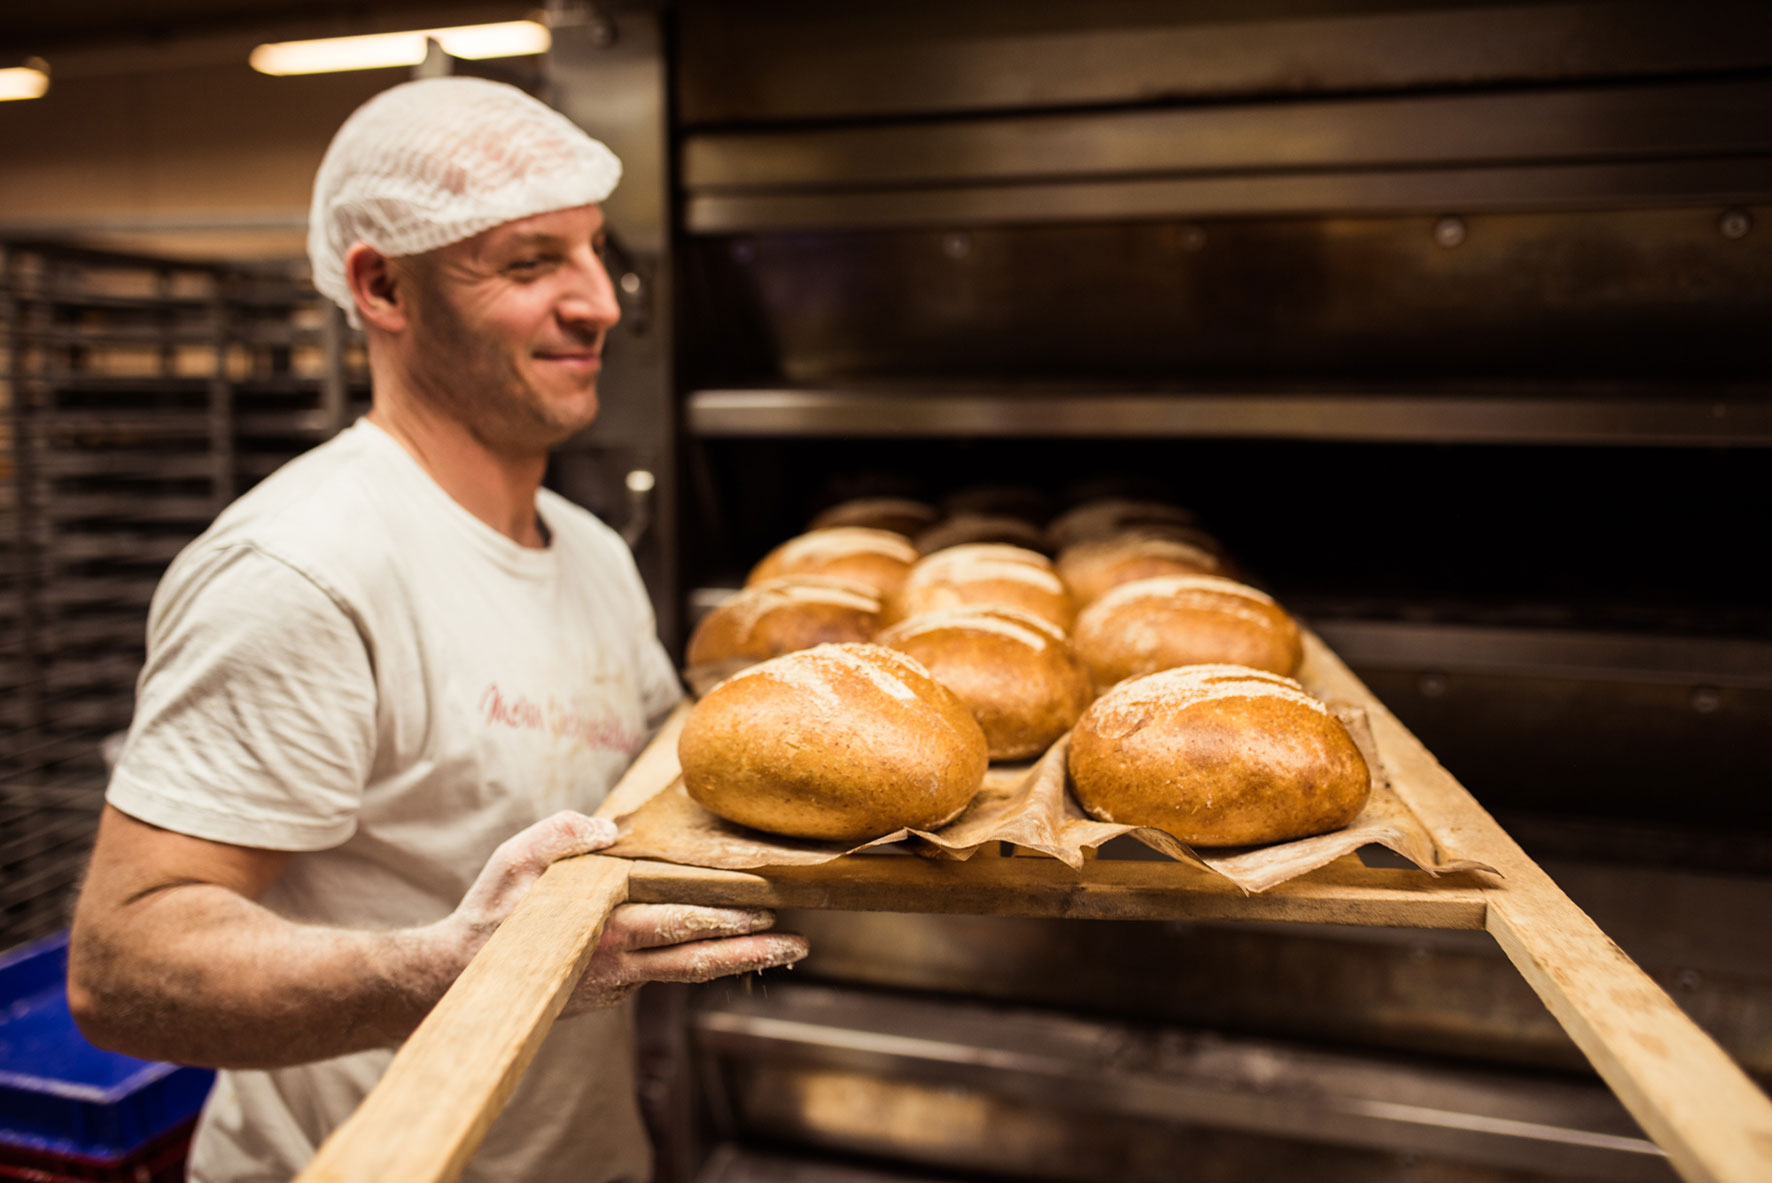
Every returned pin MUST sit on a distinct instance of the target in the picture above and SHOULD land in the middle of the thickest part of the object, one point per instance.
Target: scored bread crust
(1013, 670)
(1156, 624)
(784, 615)
(983, 573)
(878, 558)
(1217, 755)
(838, 742)
(1093, 568)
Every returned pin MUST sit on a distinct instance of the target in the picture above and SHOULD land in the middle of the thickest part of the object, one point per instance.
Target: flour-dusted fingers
(651, 926)
(614, 973)
(702, 961)
(508, 874)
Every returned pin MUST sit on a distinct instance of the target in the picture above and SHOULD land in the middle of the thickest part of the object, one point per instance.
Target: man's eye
(527, 264)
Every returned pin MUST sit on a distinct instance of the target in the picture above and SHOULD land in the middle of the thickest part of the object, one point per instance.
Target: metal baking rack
(140, 396)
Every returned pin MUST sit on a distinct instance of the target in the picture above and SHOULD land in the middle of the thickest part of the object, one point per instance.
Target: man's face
(507, 328)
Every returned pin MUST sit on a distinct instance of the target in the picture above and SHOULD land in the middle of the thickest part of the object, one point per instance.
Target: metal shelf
(1699, 419)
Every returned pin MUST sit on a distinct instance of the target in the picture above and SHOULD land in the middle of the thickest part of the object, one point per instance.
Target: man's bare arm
(173, 958)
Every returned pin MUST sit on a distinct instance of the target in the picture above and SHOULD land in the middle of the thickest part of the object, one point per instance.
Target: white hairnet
(432, 162)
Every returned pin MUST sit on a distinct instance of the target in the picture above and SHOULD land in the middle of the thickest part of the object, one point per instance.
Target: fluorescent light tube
(377, 51)
(23, 82)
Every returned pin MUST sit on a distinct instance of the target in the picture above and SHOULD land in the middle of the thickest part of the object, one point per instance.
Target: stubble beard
(473, 382)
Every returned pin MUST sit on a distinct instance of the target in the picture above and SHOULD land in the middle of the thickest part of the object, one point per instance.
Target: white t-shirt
(350, 665)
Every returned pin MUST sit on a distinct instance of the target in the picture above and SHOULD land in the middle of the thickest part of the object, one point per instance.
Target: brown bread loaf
(1157, 624)
(839, 742)
(1013, 670)
(784, 615)
(878, 558)
(1217, 755)
(966, 529)
(1092, 569)
(900, 515)
(1013, 501)
(1107, 516)
(982, 573)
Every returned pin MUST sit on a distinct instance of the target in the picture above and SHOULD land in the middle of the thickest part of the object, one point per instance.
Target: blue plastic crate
(61, 1095)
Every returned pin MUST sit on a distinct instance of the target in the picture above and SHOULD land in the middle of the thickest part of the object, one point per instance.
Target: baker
(385, 688)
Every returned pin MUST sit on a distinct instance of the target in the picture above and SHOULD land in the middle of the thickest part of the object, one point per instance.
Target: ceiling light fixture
(377, 51)
(29, 81)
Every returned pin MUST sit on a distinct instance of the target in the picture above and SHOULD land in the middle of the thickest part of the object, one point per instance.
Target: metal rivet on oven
(744, 250)
(601, 31)
(956, 245)
(1706, 700)
(630, 283)
(1193, 237)
(1449, 231)
(1431, 685)
(1688, 979)
(1735, 223)
(641, 480)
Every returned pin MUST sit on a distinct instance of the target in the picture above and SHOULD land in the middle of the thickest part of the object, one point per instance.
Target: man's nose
(589, 299)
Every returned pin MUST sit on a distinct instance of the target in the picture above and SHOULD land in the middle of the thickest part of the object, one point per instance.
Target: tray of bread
(946, 686)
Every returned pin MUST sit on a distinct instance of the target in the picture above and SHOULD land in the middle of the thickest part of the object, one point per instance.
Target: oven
(1452, 323)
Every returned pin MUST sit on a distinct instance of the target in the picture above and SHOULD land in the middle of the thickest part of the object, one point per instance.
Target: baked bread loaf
(969, 528)
(1217, 755)
(900, 515)
(784, 615)
(982, 573)
(839, 742)
(1092, 569)
(1014, 501)
(1157, 624)
(1014, 671)
(1107, 516)
(878, 558)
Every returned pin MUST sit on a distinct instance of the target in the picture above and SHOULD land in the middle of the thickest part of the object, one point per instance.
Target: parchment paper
(1031, 806)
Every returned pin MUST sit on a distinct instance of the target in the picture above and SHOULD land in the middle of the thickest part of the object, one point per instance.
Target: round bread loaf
(840, 742)
(784, 615)
(982, 573)
(1094, 568)
(1013, 670)
(1107, 516)
(1013, 501)
(878, 558)
(970, 528)
(1217, 755)
(900, 515)
(1157, 624)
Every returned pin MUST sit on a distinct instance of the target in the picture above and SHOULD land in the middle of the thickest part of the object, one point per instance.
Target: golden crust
(1217, 756)
(969, 528)
(838, 742)
(1093, 568)
(1106, 516)
(1156, 624)
(1013, 670)
(785, 615)
(878, 558)
(900, 515)
(980, 574)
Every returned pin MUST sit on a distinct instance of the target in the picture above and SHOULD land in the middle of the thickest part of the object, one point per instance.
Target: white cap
(428, 163)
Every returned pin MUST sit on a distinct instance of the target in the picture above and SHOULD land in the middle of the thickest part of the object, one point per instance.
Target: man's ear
(381, 290)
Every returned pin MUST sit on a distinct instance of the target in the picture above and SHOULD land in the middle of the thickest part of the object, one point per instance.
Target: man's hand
(641, 942)
(172, 958)
(678, 943)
